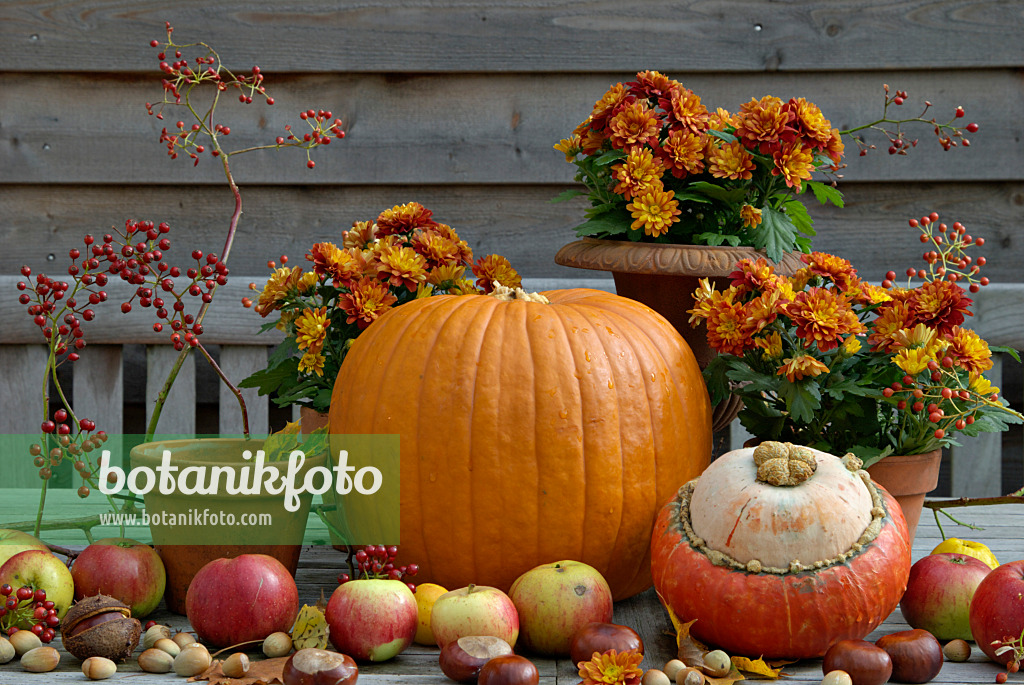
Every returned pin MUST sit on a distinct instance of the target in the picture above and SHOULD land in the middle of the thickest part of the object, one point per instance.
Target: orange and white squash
(780, 551)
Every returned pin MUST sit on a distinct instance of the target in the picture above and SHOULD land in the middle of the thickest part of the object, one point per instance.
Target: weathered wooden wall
(457, 103)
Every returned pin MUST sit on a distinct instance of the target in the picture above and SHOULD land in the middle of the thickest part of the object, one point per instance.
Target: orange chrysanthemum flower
(763, 123)
(654, 211)
(721, 119)
(941, 305)
(312, 362)
(445, 277)
(280, 283)
(311, 329)
(360, 235)
(635, 124)
(810, 122)
(685, 110)
(732, 161)
(751, 275)
(683, 152)
(405, 218)
(763, 310)
(834, 147)
(570, 147)
(612, 668)
(402, 266)
(751, 216)
(702, 301)
(969, 351)
(836, 269)
(495, 268)
(891, 318)
(608, 106)
(822, 317)
(728, 332)
(795, 163)
(651, 85)
(638, 173)
(438, 248)
(368, 299)
(771, 346)
(804, 366)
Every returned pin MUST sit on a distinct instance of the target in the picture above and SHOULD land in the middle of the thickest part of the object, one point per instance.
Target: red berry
(25, 592)
(310, 164)
(48, 426)
(126, 307)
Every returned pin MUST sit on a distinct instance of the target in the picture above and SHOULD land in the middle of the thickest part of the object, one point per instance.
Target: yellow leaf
(689, 650)
(734, 676)
(756, 666)
(310, 629)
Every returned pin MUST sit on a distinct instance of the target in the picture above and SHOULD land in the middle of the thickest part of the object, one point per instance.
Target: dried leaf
(756, 666)
(265, 672)
(689, 650)
(734, 676)
(310, 628)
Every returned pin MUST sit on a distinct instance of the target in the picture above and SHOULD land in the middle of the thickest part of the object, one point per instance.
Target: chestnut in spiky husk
(100, 626)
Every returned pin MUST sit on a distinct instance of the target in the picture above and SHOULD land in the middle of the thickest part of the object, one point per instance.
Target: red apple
(122, 568)
(14, 541)
(241, 599)
(939, 591)
(372, 619)
(997, 610)
(474, 610)
(41, 570)
(555, 601)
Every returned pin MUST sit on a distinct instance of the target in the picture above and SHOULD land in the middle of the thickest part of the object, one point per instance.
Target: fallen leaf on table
(689, 650)
(265, 672)
(756, 666)
(310, 628)
(734, 676)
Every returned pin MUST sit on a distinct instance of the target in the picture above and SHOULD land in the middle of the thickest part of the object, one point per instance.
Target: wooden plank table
(1003, 533)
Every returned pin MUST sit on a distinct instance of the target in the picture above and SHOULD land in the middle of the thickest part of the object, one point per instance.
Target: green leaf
(684, 196)
(601, 226)
(825, 192)
(598, 210)
(776, 235)
(715, 239)
(567, 195)
(728, 196)
(797, 213)
(803, 399)
(727, 137)
(1006, 350)
(716, 380)
(609, 157)
(270, 379)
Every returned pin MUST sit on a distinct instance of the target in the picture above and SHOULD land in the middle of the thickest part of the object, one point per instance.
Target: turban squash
(780, 551)
(529, 431)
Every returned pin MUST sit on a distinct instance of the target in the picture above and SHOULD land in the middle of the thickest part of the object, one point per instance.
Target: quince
(968, 547)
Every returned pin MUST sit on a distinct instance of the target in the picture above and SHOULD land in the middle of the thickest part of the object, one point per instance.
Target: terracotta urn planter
(183, 561)
(664, 277)
(908, 478)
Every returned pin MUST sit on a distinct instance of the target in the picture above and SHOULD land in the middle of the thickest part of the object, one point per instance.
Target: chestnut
(598, 637)
(866, 663)
(916, 655)
(100, 626)
(462, 659)
(510, 669)
(312, 666)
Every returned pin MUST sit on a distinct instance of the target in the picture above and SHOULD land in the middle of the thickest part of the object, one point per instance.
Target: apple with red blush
(372, 619)
(997, 610)
(122, 568)
(939, 592)
(241, 599)
(474, 610)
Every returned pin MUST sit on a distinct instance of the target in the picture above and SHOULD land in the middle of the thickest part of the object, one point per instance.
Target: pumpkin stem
(506, 294)
(782, 463)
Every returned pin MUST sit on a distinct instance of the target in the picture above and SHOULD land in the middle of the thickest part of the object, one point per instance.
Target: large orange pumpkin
(780, 552)
(530, 431)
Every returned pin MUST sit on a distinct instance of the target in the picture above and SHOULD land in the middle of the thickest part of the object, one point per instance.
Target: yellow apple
(426, 594)
(14, 541)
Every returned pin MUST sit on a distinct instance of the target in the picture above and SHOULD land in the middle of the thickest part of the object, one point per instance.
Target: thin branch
(1014, 498)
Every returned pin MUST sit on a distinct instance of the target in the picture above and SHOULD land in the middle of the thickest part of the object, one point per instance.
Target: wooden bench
(99, 382)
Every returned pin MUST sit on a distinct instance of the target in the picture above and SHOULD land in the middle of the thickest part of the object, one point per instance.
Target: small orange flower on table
(612, 668)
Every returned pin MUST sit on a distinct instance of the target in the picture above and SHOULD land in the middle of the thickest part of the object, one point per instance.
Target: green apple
(41, 569)
(474, 610)
(14, 541)
(555, 601)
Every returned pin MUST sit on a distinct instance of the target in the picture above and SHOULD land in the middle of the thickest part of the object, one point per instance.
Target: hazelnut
(672, 667)
(100, 626)
(236, 665)
(655, 677)
(40, 659)
(98, 668)
(153, 634)
(155, 660)
(6, 650)
(957, 650)
(277, 644)
(690, 676)
(837, 678)
(24, 641)
(181, 639)
(167, 645)
(717, 664)
(192, 660)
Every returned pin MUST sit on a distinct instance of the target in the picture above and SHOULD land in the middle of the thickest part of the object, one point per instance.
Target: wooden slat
(99, 387)
(438, 128)
(179, 412)
(978, 462)
(237, 362)
(21, 387)
(552, 35)
(518, 221)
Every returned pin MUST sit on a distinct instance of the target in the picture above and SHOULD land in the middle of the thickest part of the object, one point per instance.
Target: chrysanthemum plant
(659, 166)
(828, 360)
(402, 255)
(136, 256)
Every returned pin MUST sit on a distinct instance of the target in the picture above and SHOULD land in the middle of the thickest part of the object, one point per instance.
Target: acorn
(100, 626)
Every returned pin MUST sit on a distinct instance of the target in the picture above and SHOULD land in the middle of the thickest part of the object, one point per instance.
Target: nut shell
(40, 660)
(100, 626)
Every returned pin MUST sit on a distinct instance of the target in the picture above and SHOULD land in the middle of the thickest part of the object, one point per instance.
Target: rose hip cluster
(27, 606)
(948, 134)
(1014, 646)
(180, 77)
(378, 562)
(948, 260)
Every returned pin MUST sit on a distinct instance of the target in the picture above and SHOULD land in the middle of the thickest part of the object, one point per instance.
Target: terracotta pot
(282, 540)
(664, 277)
(310, 419)
(909, 478)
